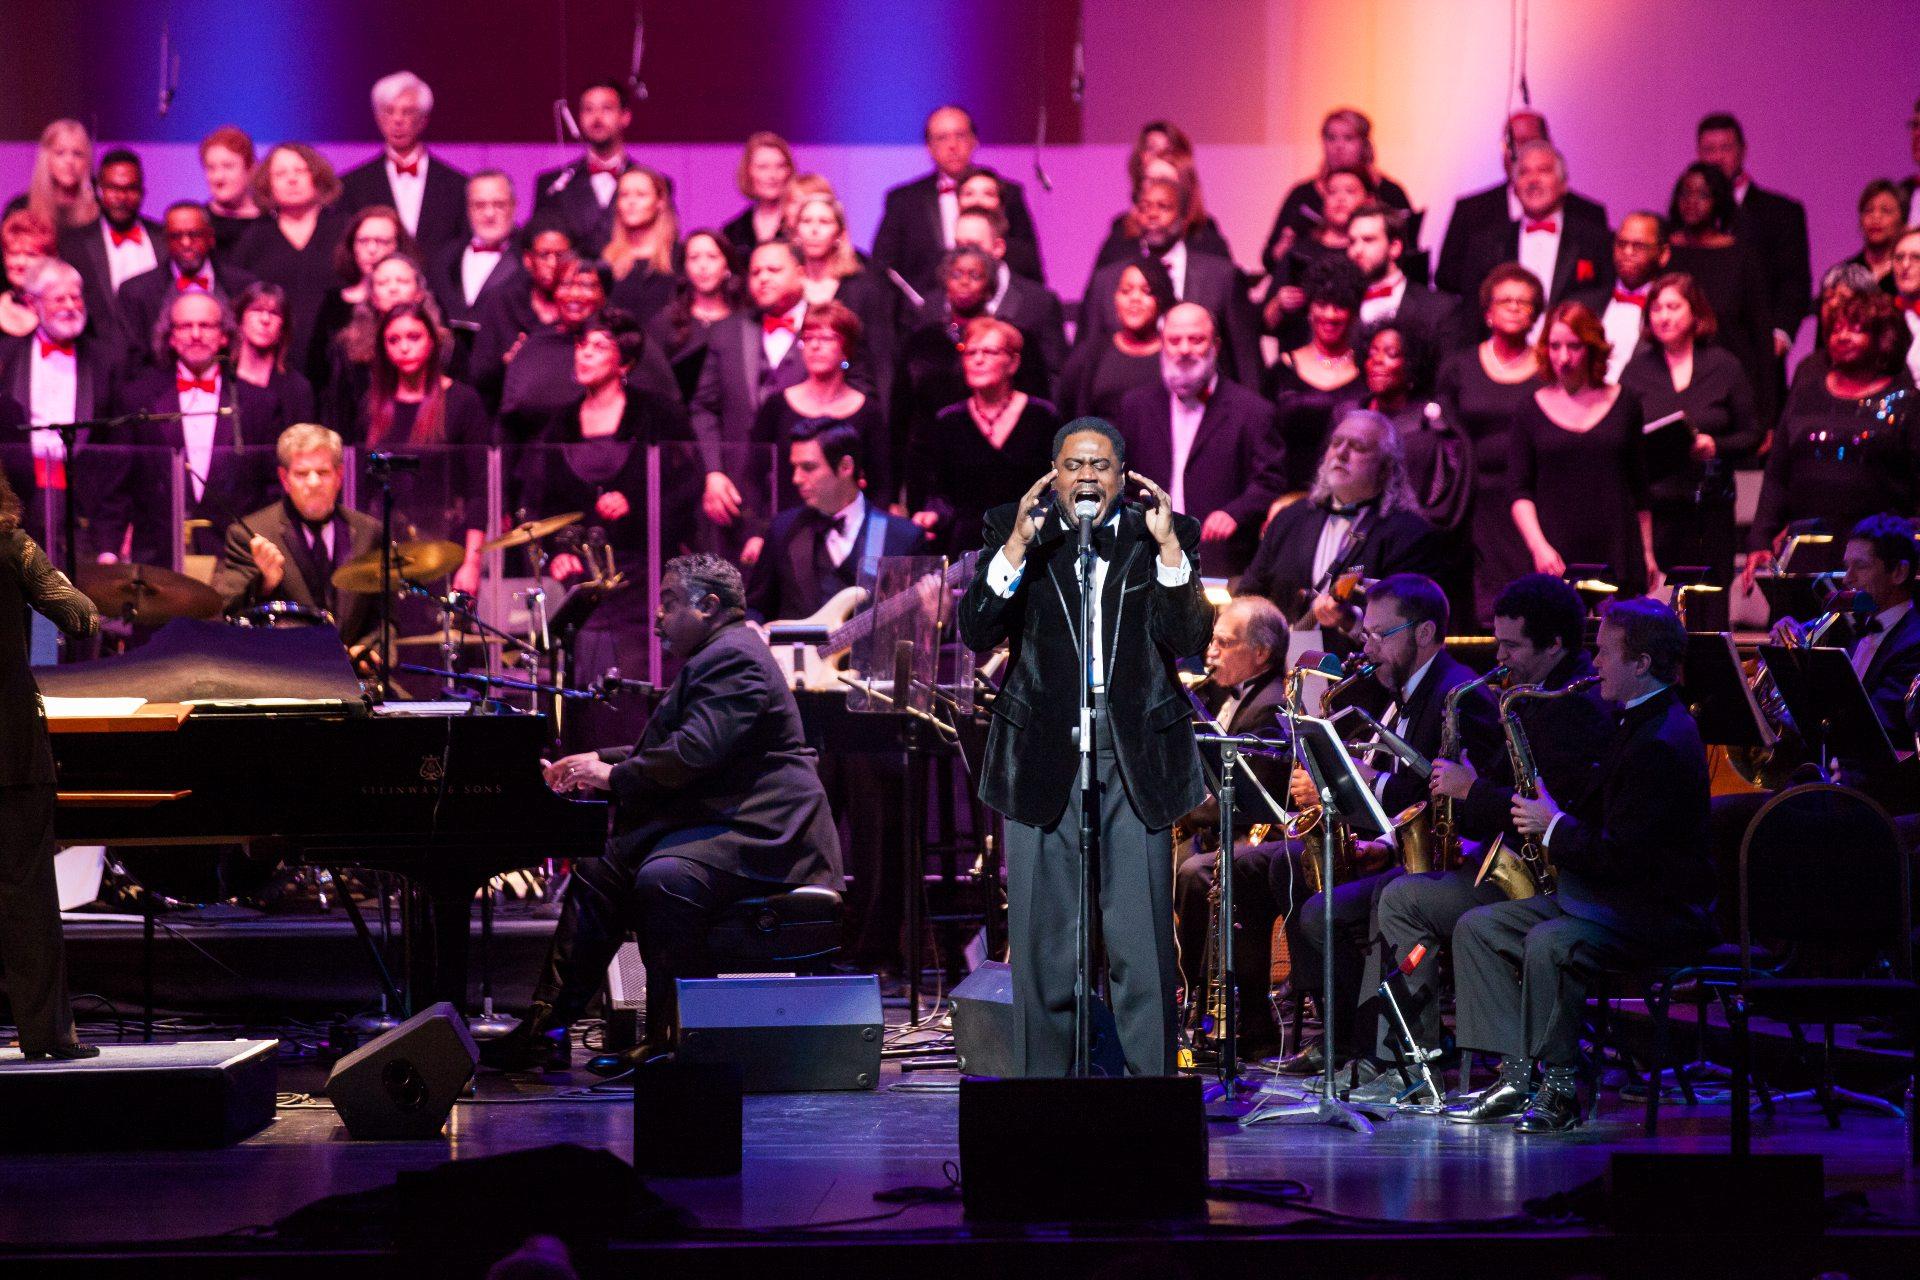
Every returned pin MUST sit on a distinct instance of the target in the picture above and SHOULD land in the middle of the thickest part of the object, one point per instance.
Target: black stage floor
(1418, 1197)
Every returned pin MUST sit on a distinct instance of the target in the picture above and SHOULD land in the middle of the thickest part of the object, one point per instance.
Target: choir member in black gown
(982, 190)
(1579, 482)
(1346, 140)
(1848, 442)
(766, 167)
(1482, 388)
(1100, 371)
(539, 379)
(709, 290)
(643, 242)
(293, 244)
(1883, 216)
(395, 279)
(985, 450)
(1690, 465)
(260, 353)
(1706, 244)
(412, 407)
(1163, 150)
(829, 336)
(1308, 383)
(832, 272)
(1399, 368)
(373, 234)
(226, 160)
(1285, 311)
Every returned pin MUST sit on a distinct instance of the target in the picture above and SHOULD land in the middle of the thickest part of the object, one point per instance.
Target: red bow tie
(1907, 304)
(616, 166)
(1630, 297)
(943, 184)
(1375, 292)
(210, 385)
(186, 284)
(134, 233)
(1548, 225)
(485, 246)
(55, 348)
(407, 169)
(773, 324)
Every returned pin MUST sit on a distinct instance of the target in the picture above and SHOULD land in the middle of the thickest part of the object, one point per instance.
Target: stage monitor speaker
(403, 1084)
(1095, 1150)
(626, 1021)
(199, 1093)
(983, 1026)
(788, 1035)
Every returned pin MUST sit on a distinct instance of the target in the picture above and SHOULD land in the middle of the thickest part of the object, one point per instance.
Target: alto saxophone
(1530, 872)
(1444, 852)
(1309, 826)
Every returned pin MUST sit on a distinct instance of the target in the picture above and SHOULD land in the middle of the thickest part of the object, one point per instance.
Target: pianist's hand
(565, 567)
(583, 772)
(612, 505)
(270, 560)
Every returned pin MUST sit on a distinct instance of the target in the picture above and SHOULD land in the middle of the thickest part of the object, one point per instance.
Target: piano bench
(796, 930)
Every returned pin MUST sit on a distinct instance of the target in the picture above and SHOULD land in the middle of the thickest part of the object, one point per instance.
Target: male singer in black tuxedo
(1403, 632)
(289, 550)
(580, 194)
(1636, 881)
(188, 268)
(1198, 276)
(720, 800)
(1376, 242)
(429, 194)
(118, 245)
(1883, 563)
(1539, 630)
(1209, 442)
(917, 228)
(1151, 613)
(1567, 248)
(1027, 305)
(1357, 518)
(465, 269)
(1487, 213)
(1245, 694)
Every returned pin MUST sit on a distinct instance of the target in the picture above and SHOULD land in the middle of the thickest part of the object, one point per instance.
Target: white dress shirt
(1377, 307)
(1003, 579)
(1396, 720)
(54, 389)
(1622, 321)
(1175, 261)
(949, 201)
(1001, 276)
(408, 189)
(604, 185)
(1187, 415)
(1539, 250)
(780, 341)
(475, 266)
(1862, 656)
(840, 538)
(199, 427)
(124, 261)
(1332, 535)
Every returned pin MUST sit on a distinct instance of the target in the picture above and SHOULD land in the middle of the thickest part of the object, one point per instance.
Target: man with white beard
(1210, 442)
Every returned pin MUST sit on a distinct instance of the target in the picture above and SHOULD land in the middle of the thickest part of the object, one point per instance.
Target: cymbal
(412, 562)
(532, 531)
(147, 593)
(435, 639)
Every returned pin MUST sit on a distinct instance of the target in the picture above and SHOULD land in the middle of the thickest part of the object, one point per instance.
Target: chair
(797, 931)
(1821, 870)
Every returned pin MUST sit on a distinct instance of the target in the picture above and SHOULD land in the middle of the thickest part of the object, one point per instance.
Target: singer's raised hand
(1159, 515)
(1027, 524)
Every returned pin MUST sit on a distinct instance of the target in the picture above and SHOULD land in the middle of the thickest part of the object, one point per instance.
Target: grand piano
(212, 734)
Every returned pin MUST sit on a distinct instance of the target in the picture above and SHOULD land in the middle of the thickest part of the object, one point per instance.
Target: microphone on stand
(1083, 513)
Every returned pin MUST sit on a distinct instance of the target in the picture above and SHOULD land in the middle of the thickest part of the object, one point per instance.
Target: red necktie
(1548, 225)
(773, 324)
(184, 385)
(1379, 291)
(407, 169)
(55, 348)
(944, 184)
(484, 246)
(132, 233)
(186, 284)
(1629, 297)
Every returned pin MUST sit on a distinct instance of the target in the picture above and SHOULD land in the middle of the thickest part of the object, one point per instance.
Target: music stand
(1829, 706)
(1719, 695)
(1348, 803)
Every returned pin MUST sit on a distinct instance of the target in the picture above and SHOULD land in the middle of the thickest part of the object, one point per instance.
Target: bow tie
(943, 184)
(1630, 297)
(1907, 304)
(208, 384)
(486, 246)
(1548, 225)
(1871, 627)
(1346, 510)
(55, 349)
(406, 169)
(186, 284)
(773, 324)
(614, 167)
(134, 233)
(1378, 291)
(837, 523)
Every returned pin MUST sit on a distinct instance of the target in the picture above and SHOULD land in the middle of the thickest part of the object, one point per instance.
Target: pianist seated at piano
(718, 802)
(289, 550)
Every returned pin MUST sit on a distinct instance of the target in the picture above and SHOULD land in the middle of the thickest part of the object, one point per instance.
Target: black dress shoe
(1554, 1110)
(63, 1052)
(539, 1043)
(1310, 1061)
(618, 1064)
(1502, 1102)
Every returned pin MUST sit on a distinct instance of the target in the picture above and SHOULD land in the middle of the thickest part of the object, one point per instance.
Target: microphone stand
(381, 466)
(1089, 802)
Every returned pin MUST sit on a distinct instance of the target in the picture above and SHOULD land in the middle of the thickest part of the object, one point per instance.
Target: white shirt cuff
(1176, 576)
(1784, 336)
(1546, 837)
(1001, 575)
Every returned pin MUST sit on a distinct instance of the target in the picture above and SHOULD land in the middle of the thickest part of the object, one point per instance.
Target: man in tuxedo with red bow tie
(581, 193)
(189, 267)
(116, 246)
(1376, 242)
(1489, 211)
(428, 193)
(917, 228)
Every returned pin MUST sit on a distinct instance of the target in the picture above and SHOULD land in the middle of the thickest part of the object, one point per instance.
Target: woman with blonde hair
(644, 249)
(1346, 142)
(766, 169)
(61, 189)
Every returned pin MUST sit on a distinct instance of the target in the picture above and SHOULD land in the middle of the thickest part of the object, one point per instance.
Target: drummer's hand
(270, 560)
(583, 772)
(612, 505)
(722, 500)
(565, 566)
(467, 577)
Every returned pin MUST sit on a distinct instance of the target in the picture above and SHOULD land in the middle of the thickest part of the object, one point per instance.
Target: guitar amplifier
(787, 1035)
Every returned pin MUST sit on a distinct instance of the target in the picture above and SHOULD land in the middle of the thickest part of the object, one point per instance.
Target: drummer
(288, 551)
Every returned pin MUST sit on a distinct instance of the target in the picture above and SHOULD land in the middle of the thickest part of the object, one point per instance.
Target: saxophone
(1445, 852)
(1308, 825)
(1530, 872)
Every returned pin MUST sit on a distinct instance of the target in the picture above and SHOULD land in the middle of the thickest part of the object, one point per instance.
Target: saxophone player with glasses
(1403, 634)
(1635, 881)
(1539, 631)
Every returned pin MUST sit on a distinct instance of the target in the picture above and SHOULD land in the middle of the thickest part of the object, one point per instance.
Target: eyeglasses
(1369, 636)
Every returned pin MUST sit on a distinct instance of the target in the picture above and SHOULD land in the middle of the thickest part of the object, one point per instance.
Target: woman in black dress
(1848, 443)
(1163, 150)
(1285, 313)
(393, 280)
(1690, 466)
(373, 235)
(260, 354)
(1308, 383)
(1098, 374)
(708, 290)
(1727, 271)
(227, 163)
(1346, 141)
(986, 450)
(1579, 485)
(832, 272)
(643, 243)
(293, 246)
(1883, 216)
(766, 167)
(1399, 369)
(1483, 389)
(829, 335)
(31, 951)
(412, 407)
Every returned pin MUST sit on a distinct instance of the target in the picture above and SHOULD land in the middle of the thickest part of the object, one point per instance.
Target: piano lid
(192, 661)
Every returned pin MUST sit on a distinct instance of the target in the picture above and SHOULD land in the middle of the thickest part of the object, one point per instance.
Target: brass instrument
(1769, 767)
(1309, 826)
(1529, 872)
(1443, 836)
